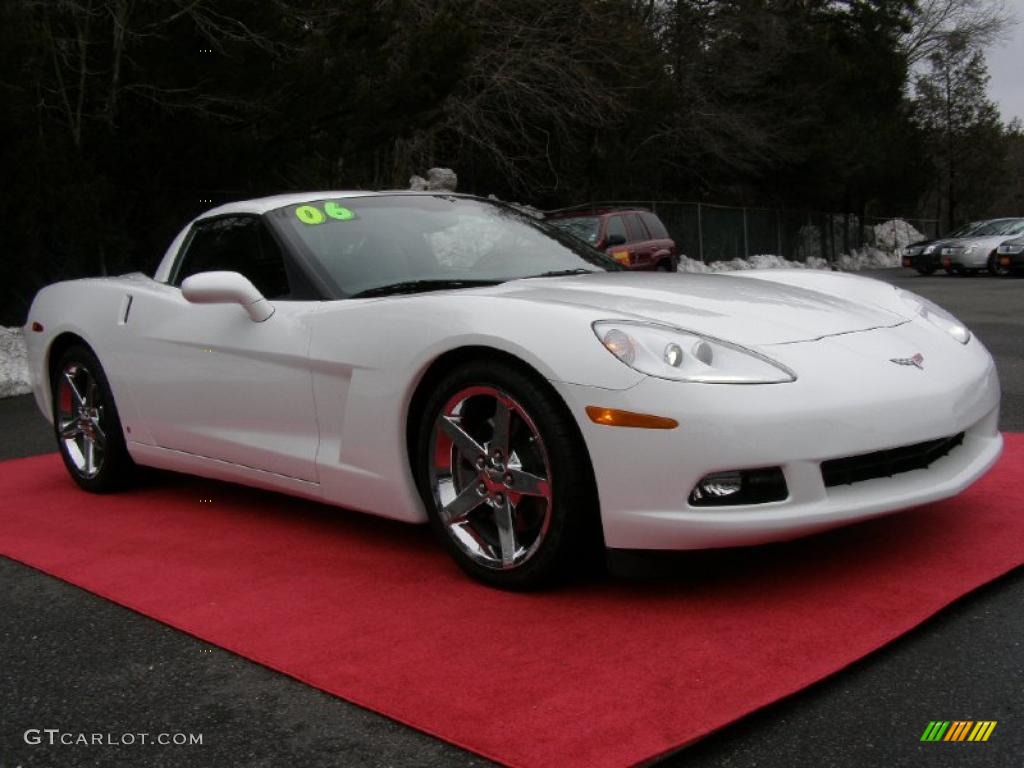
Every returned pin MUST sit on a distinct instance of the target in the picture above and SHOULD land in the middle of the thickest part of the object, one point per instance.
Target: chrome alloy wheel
(490, 477)
(79, 413)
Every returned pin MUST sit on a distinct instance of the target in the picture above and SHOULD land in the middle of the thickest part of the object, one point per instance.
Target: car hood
(990, 242)
(745, 310)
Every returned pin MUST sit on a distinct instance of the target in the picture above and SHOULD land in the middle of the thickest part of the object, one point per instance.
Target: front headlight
(672, 353)
(929, 249)
(936, 315)
(1011, 250)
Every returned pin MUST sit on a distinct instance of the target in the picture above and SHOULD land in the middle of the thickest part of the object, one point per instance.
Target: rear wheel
(665, 266)
(86, 423)
(503, 475)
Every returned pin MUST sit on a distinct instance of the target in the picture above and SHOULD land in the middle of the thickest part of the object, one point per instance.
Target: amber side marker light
(612, 417)
(37, 327)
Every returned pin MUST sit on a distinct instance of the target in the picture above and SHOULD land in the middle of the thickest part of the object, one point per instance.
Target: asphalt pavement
(76, 662)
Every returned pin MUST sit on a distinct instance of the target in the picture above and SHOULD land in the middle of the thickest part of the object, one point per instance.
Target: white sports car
(441, 357)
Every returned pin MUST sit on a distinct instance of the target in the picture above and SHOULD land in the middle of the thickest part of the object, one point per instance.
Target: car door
(662, 246)
(208, 380)
(640, 246)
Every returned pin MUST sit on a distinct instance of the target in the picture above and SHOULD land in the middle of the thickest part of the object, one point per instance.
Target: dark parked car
(634, 237)
(926, 255)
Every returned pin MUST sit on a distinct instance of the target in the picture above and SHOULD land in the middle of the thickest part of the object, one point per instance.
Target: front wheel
(503, 474)
(86, 423)
(993, 266)
(926, 271)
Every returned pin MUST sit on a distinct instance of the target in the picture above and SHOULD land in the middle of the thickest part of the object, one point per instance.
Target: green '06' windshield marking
(310, 214)
(338, 212)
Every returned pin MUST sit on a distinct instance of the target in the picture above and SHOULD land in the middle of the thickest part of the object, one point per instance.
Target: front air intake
(870, 466)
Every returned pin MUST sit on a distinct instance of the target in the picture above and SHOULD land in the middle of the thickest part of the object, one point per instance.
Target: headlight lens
(930, 249)
(1011, 249)
(936, 315)
(671, 353)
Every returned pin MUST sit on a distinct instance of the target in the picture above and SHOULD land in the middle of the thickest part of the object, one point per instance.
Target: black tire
(114, 469)
(993, 266)
(571, 538)
(926, 271)
(665, 266)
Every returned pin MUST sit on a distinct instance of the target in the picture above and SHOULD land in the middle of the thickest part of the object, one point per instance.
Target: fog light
(719, 485)
(744, 486)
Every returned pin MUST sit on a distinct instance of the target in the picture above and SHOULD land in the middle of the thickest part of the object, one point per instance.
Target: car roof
(261, 205)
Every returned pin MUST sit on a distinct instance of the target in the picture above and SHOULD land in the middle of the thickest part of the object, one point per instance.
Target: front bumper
(922, 261)
(963, 260)
(1011, 261)
(645, 477)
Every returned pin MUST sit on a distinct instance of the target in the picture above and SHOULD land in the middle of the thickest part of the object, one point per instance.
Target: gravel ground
(73, 661)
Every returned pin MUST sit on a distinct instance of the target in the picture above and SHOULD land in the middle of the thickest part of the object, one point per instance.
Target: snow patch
(438, 180)
(896, 234)
(14, 376)
(861, 258)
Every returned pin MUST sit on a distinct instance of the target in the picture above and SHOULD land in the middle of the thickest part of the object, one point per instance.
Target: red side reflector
(37, 326)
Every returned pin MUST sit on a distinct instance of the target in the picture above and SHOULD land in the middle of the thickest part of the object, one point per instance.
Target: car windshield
(586, 228)
(406, 243)
(966, 229)
(1000, 227)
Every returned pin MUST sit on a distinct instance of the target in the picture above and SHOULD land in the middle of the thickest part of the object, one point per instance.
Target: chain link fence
(709, 232)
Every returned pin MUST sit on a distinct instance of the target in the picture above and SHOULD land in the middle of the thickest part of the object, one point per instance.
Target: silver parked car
(979, 250)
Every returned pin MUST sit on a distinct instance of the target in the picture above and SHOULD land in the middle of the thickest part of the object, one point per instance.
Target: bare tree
(976, 24)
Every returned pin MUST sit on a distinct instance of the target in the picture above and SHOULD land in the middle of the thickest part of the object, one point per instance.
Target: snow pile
(14, 378)
(861, 258)
(895, 234)
(438, 180)
(867, 258)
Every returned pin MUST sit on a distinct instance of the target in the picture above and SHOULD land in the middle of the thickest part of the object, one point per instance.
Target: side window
(236, 244)
(637, 230)
(654, 226)
(616, 227)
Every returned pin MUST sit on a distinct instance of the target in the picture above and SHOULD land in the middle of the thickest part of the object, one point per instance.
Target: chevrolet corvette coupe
(446, 359)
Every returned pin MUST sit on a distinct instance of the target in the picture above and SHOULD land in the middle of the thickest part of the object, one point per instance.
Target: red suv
(632, 236)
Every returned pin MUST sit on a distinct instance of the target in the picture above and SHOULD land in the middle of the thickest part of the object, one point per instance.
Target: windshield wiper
(420, 286)
(566, 272)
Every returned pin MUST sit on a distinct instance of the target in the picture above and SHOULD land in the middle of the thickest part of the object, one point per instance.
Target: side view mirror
(615, 239)
(227, 288)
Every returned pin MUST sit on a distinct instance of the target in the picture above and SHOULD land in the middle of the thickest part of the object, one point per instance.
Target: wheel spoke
(99, 430)
(467, 446)
(74, 389)
(90, 455)
(90, 392)
(506, 532)
(529, 484)
(456, 511)
(69, 429)
(501, 421)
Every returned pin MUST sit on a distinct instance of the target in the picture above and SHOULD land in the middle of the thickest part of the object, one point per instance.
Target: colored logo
(958, 730)
(917, 361)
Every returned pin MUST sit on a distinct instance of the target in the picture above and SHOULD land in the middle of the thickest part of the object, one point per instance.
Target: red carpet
(603, 674)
